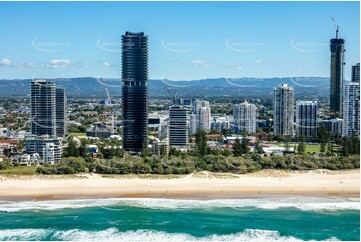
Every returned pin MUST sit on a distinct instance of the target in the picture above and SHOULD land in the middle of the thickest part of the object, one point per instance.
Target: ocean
(145, 219)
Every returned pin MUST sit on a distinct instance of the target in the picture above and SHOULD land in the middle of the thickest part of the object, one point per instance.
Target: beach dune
(201, 185)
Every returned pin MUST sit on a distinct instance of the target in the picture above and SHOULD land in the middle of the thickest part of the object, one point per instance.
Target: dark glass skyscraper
(135, 91)
(336, 76)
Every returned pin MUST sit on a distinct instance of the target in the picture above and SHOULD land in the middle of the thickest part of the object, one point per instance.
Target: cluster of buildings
(186, 116)
(47, 122)
(344, 116)
(290, 119)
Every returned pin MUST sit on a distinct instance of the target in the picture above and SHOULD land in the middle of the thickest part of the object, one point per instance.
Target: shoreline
(199, 186)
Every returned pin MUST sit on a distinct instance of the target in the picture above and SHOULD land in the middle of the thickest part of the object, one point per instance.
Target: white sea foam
(23, 234)
(139, 235)
(302, 203)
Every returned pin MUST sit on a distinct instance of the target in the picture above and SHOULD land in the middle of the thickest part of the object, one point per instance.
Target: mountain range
(216, 87)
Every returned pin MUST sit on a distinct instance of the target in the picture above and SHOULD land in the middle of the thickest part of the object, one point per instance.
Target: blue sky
(187, 40)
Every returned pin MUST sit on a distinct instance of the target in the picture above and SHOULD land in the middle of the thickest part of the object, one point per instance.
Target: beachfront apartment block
(283, 110)
(306, 118)
(351, 110)
(244, 117)
(178, 127)
(135, 91)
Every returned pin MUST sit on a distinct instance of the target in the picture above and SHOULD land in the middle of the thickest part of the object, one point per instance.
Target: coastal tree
(201, 142)
(301, 148)
(258, 148)
(237, 148)
(244, 146)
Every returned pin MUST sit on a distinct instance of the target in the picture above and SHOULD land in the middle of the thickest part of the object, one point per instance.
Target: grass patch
(77, 134)
(309, 148)
(19, 170)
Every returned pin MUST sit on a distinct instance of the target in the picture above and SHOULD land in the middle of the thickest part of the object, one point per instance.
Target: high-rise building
(135, 91)
(244, 117)
(42, 108)
(202, 110)
(60, 106)
(306, 118)
(336, 75)
(192, 123)
(204, 118)
(178, 127)
(355, 75)
(351, 110)
(283, 110)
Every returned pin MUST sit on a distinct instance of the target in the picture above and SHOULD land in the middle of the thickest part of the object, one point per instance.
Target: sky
(187, 40)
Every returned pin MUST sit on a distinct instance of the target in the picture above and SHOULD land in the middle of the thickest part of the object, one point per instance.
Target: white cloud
(234, 67)
(200, 63)
(5, 62)
(261, 61)
(60, 63)
(104, 64)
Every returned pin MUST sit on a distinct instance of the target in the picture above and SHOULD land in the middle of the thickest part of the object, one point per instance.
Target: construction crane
(336, 26)
(109, 103)
(173, 95)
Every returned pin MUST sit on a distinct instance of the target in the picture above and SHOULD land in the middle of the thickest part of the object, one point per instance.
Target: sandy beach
(201, 185)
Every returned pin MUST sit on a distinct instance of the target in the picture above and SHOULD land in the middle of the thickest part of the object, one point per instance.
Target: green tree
(237, 148)
(323, 147)
(201, 142)
(301, 149)
(72, 149)
(258, 148)
(83, 148)
(244, 146)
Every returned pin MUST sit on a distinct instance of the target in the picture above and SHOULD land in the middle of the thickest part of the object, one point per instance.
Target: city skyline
(246, 45)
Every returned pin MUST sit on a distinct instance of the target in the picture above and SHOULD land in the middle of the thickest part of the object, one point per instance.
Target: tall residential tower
(283, 110)
(60, 104)
(42, 108)
(336, 75)
(306, 118)
(135, 91)
(244, 117)
(351, 105)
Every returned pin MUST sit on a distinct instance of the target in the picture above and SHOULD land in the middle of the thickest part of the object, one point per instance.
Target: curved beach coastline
(201, 185)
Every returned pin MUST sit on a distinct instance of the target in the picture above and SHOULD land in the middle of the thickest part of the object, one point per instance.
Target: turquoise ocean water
(280, 218)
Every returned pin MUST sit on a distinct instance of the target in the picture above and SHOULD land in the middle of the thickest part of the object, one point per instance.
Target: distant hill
(242, 87)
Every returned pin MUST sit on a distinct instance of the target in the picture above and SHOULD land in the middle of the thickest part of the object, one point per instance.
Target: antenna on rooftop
(336, 26)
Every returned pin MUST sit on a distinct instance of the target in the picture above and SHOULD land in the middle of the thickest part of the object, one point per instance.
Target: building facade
(306, 118)
(51, 153)
(332, 125)
(336, 76)
(42, 108)
(355, 75)
(351, 110)
(283, 110)
(192, 123)
(36, 144)
(178, 127)
(135, 91)
(204, 118)
(244, 117)
(60, 113)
